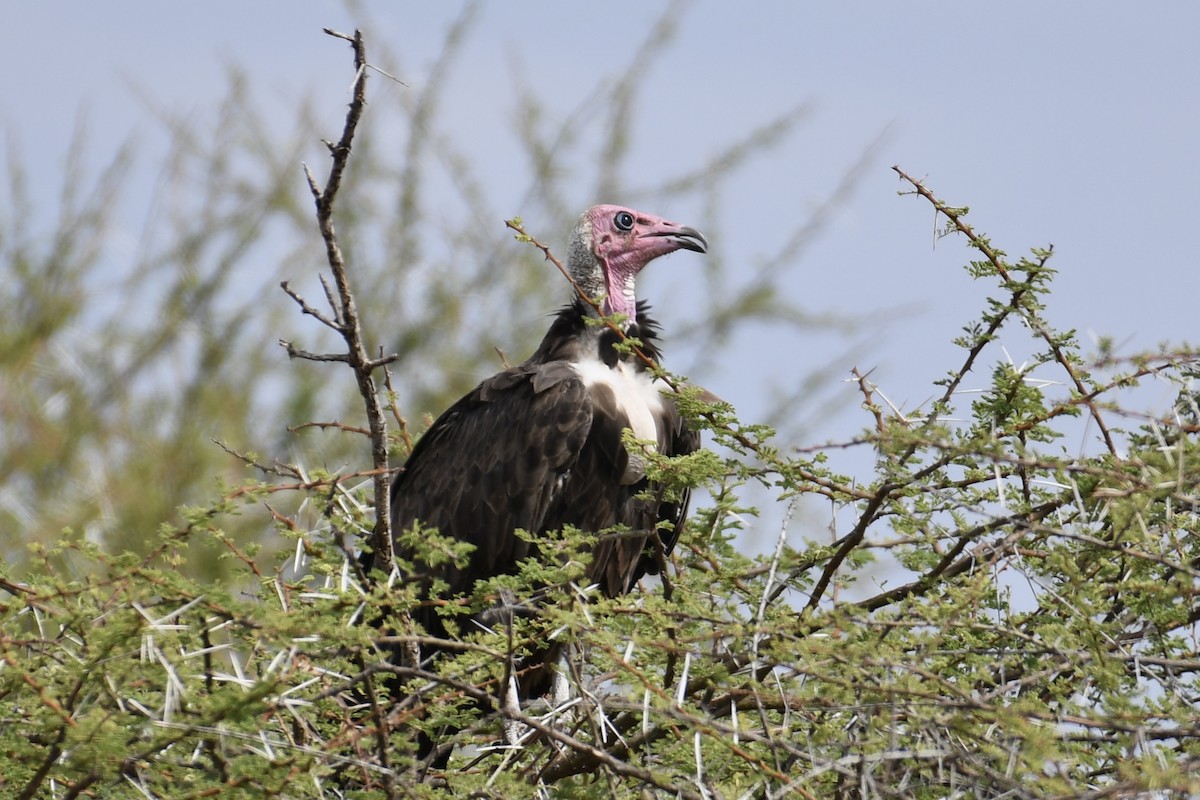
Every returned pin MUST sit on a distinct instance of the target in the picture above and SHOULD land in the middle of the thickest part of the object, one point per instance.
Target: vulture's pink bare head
(611, 244)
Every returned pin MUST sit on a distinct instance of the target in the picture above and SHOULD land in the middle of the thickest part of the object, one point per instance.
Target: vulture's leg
(514, 730)
(560, 689)
(510, 703)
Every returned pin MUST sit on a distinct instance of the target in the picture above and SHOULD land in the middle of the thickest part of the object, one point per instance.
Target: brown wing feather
(677, 439)
(490, 464)
(598, 501)
(594, 498)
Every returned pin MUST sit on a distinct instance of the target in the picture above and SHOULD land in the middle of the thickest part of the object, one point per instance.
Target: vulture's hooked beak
(685, 238)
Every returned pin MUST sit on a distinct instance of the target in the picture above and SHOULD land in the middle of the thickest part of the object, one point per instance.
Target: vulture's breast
(633, 397)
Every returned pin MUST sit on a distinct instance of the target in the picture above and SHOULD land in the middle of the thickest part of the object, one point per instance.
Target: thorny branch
(598, 756)
(1016, 305)
(345, 319)
(1035, 322)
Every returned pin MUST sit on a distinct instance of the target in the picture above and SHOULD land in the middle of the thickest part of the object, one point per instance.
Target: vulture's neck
(614, 281)
(572, 337)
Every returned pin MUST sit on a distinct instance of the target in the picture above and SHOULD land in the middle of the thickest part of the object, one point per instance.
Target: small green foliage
(518, 224)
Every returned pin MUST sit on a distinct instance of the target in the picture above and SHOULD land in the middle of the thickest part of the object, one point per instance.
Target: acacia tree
(1038, 641)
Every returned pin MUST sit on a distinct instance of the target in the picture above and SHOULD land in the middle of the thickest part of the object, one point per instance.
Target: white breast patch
(638, 396)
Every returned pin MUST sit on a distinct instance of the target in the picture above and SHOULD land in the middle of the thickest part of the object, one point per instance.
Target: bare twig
(296, 352)
(307, 309)
(341, 426)
(341, 300)
(401, 422)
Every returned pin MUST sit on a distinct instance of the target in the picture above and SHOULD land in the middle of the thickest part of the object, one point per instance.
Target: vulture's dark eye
(624, 220)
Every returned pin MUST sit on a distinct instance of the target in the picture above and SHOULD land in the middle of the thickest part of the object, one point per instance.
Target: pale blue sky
(1067, 123)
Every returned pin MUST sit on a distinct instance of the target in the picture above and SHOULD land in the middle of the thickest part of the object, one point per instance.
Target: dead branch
(345, 319)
